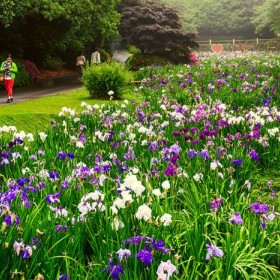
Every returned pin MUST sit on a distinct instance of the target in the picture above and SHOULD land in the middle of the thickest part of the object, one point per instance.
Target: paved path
(51, 87)
(42, 89)
(121, 56)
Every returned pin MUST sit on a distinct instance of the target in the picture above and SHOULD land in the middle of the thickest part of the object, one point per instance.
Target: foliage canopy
(155, 28)
(49, 28)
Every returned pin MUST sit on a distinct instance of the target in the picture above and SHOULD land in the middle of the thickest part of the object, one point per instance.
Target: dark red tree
(155, 29)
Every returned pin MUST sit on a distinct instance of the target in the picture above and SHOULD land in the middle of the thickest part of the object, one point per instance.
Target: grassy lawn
(36, 114)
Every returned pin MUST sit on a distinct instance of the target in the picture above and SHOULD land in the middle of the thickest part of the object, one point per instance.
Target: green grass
(34, 115)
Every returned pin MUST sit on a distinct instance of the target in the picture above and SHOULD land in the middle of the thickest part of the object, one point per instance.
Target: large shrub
(100, 79)
(138, 61)
(134, 50)
(105, 56)
(22, 76)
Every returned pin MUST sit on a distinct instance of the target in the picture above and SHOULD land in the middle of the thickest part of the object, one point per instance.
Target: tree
(267, 16)
(218, 18)
(155, 28)
(39, 29)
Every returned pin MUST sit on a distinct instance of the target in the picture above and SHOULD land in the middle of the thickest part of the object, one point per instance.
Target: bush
(134, 49)
(105, 56)
(22, 76)
(102, 78)
(52, 63)
(32, 70)
(138, 61)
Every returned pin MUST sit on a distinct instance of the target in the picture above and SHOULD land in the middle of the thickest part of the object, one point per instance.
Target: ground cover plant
(169, 188)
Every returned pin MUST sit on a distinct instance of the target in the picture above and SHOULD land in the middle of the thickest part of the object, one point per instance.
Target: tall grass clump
(102, 78)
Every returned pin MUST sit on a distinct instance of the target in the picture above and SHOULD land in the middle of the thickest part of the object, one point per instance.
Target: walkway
(42, 88)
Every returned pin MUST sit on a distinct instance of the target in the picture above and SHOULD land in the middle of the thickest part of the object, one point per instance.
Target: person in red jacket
(9, 68)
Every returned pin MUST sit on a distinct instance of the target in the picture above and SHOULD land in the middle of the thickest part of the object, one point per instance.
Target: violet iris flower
(215, 204)
(254, 155)
(258, 208)
(114, 270)
(213, 250)
(192, 153)
(145, 256)
(237, 161)
(236, 218)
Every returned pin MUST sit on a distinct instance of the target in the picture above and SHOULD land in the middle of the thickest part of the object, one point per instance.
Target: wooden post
(233, 41)
(257, 40)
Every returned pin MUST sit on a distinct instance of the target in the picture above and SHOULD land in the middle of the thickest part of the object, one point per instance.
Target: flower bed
(169, 188)
(50, 74)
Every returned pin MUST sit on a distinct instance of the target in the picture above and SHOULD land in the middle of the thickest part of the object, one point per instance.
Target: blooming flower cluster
(181, 165)
(145, 255)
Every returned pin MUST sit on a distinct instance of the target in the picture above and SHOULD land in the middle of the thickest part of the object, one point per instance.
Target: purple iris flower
(53, 198)
(41, 152)
(154, 171)
(153, 146)
(54, 176)
(176, 133)
(170, 170)
(215, 204)
(34, 157)
(65, 185)
(135, 240)
(254, 155)
(61, 155)
(193, 130)
(204, 154)
(98, 159)
(63, 277)
(114, 270)
(26, 253)
(159, 245)
(192, 153)
(123, 168)
(41, 185)
(21, 182)
(115, 144)
(58, 228)
(274, 193)
(256, 134)
(238, 161)
(82, 138)
(175, 149)
(129, 155)
(258, 208)
(195, 142)
(145, 256)
(236, 218)
(70, 155)
(11, 219)
(213, 250)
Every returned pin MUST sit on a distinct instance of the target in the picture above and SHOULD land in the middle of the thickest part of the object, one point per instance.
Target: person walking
(95, 57)
(9, 68)
(80, 64)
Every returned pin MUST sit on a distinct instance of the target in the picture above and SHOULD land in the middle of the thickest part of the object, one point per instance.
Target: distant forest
(244, 18)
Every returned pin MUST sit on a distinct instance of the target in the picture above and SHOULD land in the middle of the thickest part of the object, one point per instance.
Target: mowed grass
(35, 114)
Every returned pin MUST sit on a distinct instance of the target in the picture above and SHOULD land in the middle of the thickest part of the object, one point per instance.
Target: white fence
(242, 45)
